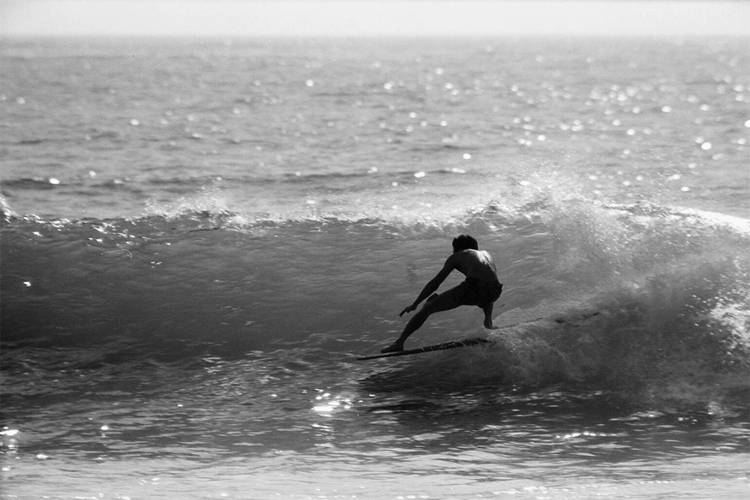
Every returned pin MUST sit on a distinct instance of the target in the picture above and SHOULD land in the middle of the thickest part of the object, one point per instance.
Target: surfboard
(437, 347)
(447, 345)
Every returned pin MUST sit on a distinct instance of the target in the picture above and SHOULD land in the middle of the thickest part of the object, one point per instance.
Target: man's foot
(395, 347)
(489, 325)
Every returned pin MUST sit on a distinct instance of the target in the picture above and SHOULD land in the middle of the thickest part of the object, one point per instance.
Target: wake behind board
(437, 347)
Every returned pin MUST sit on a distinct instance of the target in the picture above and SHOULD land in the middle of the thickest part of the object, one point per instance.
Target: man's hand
(407, 309)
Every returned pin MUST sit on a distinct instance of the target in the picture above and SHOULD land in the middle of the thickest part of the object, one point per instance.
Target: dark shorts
(474, 292)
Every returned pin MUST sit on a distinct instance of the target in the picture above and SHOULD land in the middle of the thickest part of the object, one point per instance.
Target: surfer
(481, 288)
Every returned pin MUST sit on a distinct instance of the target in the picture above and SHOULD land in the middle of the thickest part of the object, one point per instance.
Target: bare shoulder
(452, 261)
(485, 255)
(468, 259)
(471, 255)
(479, 264)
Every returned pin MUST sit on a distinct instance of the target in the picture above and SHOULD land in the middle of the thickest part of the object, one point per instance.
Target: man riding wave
(481, 288)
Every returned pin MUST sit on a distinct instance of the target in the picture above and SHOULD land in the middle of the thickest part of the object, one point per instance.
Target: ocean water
(200, 237)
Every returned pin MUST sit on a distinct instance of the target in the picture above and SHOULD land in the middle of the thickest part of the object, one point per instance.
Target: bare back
(475, 264)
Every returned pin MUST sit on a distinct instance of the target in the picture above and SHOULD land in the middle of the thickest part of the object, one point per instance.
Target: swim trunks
(475, 292)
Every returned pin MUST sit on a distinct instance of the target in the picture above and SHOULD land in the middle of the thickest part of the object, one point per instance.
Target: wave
(637, 298)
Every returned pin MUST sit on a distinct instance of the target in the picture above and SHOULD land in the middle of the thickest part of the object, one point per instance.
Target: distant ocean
(198, 238)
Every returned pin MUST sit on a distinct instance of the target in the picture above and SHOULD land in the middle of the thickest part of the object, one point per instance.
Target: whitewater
(199, 238)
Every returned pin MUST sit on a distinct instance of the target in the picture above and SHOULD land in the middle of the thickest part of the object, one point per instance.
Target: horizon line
(373, 18)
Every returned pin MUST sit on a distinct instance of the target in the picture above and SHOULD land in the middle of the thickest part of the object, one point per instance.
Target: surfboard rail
(437, 347)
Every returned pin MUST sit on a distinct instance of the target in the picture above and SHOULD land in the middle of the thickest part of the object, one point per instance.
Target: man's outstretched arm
(430, 287)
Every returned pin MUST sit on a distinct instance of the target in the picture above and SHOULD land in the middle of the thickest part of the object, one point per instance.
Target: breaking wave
(647, 301)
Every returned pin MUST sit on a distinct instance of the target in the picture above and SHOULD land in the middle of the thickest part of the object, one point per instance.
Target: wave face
(642, 300)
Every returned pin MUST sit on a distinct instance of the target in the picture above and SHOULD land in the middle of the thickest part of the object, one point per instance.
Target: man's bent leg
(496, 291)
(436, 303)
(488, 316)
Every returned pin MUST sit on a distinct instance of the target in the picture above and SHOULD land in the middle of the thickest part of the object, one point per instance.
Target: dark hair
(464, 242)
